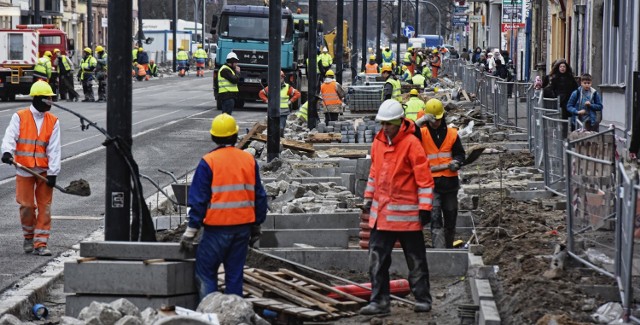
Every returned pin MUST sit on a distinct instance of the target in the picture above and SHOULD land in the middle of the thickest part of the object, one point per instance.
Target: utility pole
(312, 67)
(140, 33)
(354, 41)
(275, 56)
(204, 11)
(364, 35)
(175, 33)
(195, 22)
(118, 178)
(378, 33)
(90, 24)
(417, 18)
(36, 12)
(399, 33)
(339, 50)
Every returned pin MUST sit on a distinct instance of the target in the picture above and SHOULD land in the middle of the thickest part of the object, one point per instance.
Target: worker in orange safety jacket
(227, 198)
(332, 96)
(398, 195)
(372, 66)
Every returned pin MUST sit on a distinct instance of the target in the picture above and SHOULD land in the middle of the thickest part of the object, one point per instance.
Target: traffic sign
(408, 31)
(460, 10)
(475, 19)
(459, 20)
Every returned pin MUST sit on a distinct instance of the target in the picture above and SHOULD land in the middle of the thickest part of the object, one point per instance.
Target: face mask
(40, 105)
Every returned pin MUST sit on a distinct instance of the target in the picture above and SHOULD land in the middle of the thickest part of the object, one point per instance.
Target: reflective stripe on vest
(65, 63)
(31, 147)
(371, 68)
(329, 94)
(284, 99)
(232, 187)
(396, 89)
(225, 85)
(414, 105)
(41, 66)
(440, 157)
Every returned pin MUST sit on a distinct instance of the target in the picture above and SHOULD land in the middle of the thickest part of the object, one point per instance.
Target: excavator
(330, 41)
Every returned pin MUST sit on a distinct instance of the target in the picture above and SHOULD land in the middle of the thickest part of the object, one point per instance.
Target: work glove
(256, 233)
(366, 205)
(7, 158)
(425, 217)
(454, 165)
(51, 180)
(186, 241)
(425, 119)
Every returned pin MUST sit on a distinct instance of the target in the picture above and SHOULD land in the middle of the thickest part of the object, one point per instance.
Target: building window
(614, 38)
(16, 46)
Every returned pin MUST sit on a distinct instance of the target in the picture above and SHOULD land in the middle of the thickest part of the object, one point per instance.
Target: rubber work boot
(42, 251)
(27, 245)
(422, 307)
(375, 308)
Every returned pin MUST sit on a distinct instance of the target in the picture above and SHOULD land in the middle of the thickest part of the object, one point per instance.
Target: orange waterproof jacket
(329, 94)
(31, 147)
(400, 182)
(440, 157)
(232, 194)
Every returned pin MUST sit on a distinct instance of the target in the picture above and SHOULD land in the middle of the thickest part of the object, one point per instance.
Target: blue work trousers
(227, 105)
(222, 245)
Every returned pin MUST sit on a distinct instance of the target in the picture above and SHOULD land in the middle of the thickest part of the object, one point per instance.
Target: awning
(10, 11)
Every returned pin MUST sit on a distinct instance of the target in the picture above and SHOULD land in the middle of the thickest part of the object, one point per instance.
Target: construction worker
(436, 62)
(288, 95)
(324, 62)
(398, 198)
(227, 198)
(134, 60)
(392, 87)
(153, 68)
(42, 69)
(101, 73)
(387, 56)
(143, 63)
(64, 66)
(303, 112)
(408, 60)
(332, 97)
(182, 59)
(419, 80)
(227, 85)
(406, 74)
(418, 63)
(86, 74)
(413, 106)
(201, 57)
(372, 66)
(426, 71)
(446, 154)
(33, 136)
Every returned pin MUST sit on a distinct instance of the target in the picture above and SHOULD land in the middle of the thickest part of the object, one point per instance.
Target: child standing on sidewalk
(585, 104)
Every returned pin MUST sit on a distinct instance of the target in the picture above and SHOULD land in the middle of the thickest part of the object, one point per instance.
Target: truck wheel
(10, 98)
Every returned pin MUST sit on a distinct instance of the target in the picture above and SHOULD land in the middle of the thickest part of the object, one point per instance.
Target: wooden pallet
(257, 128)
(324, 137)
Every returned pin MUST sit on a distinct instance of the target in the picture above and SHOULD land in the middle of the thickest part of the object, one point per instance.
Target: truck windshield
(252, 28)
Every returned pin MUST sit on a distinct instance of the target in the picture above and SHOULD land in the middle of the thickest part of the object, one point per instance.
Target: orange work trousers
(33, 194)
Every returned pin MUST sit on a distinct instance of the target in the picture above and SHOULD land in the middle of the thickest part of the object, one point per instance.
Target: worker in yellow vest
(288, 95)
(42, 70)
(413, 106)
(201, 57)
(391, 89)
(406, 74)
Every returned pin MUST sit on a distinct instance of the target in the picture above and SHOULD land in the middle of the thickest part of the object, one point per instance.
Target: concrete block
(312, 221)
(444, 262)
(362, 168)
(306, 180)
(489, 313)
(109, 277)
(555, 205)
(530, 195)
(322, 171)
(133, 250)
(313, 237)
(518, 137)
(347, 146)
(483, 289)
(360, 186)
(536, 185)
(349, 181)
(75, 303)
(168, 222)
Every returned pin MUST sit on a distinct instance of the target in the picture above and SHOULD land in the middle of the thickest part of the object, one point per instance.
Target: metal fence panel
(626, 210)
(536, 126)
(553, 136)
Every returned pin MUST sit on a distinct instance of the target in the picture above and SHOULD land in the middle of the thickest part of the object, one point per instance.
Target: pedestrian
(372, 66)
(413, 105)
(561, 84)
(64, 67)
(227, 199)
(398, 196)
(227, 84)
(143, 64)
(476, 55)
(585, 104)
(391, 88)
(86, 74)
(492, 61)
(33, 136)
(454, 54)
(446, 154)
(201, 57)
(436, 63)
(153, 68)
(332, 97)
(101, 73)
(465, 55)
(288, 96)
(42, 69)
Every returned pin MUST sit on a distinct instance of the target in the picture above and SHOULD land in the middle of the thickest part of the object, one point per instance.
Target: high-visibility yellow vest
(418, 79)
(414, 105)
(65, 63)
(200, 54)
(387, 56)
(87, 65)
(225, 85)
(396, 89)
(182, 56)
(284, 98)
(43, 66)
(304, 111)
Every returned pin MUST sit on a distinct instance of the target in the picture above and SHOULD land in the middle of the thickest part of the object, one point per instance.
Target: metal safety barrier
(536, 133)
(554, 133)
(626, 209)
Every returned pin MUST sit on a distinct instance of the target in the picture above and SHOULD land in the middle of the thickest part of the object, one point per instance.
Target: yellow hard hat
(47, 53)
(410, 49)
(88, 50)
(180, 48)
(199, 46)
(436, 89)
(434, 51)
(41, 88)
(56, 50)
(404, 67)
(140, 49)
(413, 92)
(329, 73)
(372, 57)
(223, 125)
(99, 48)
(386, 68)
(435, 107)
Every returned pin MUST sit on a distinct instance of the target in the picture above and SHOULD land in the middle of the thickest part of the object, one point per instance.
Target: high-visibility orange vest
(371, 68)
(232, 188)
(329, 94)
(440, 157)
(31, 147)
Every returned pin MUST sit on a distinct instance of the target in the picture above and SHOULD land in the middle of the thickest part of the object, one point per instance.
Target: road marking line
(76, 218)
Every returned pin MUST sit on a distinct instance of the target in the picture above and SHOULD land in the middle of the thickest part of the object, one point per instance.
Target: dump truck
(20, 49)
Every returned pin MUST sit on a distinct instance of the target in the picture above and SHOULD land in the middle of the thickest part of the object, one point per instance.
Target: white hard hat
(390, 110)
(232, 56)
(420, 52)
(325, 49)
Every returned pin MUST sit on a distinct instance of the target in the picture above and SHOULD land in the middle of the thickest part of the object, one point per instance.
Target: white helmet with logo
(232, 56)
(390, 110)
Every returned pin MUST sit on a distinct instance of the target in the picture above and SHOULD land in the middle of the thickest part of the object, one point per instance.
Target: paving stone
(133, 250)
(530, 195)
(315, 221)
(518, 137)
(489, 313)
(313, 237)
(75, 303)
(103, 311)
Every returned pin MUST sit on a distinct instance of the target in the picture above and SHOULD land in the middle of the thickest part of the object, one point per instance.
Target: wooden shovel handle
(30, 171)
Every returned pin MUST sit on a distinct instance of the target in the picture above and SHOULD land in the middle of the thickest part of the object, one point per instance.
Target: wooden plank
(301, 289)
(261, 283)
(323, 286)
(466, 96)
(324, 137)
(255, 129)
(290, 144)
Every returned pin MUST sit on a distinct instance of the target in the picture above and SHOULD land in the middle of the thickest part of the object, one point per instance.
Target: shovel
(79, 187)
